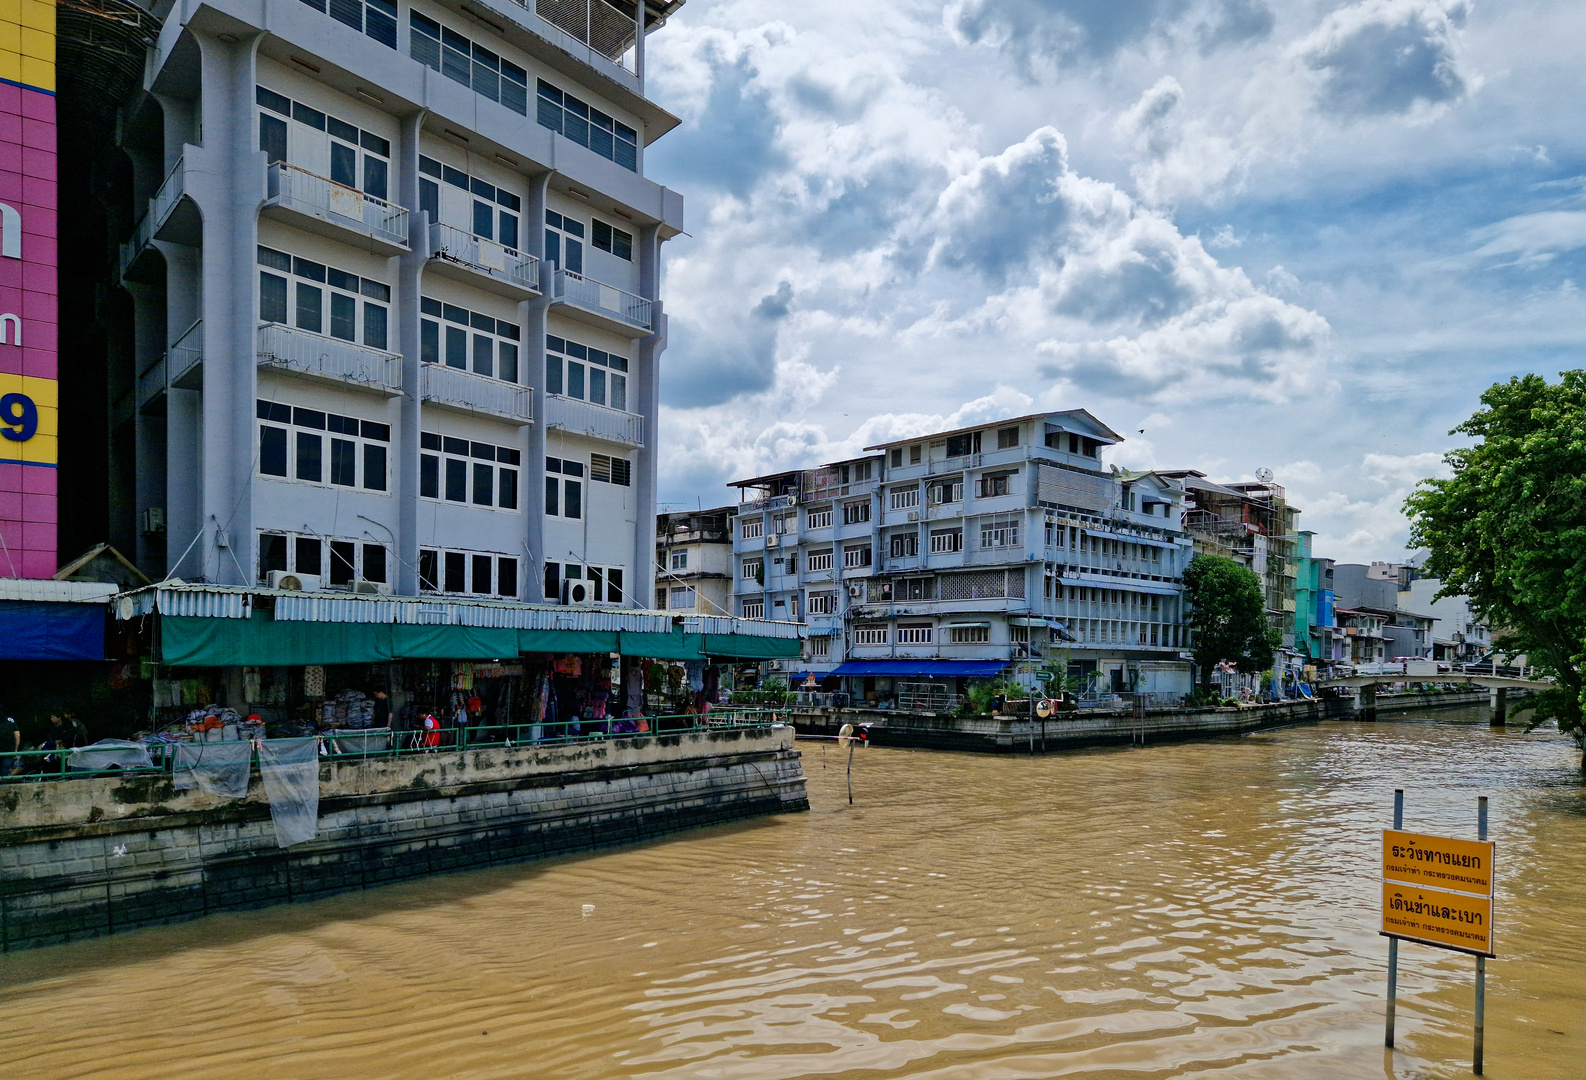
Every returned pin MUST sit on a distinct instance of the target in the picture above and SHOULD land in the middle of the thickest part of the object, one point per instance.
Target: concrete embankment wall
(79, 858)
(1006, 734)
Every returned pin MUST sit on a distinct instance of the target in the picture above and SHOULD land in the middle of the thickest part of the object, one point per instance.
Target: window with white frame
(914, 633)
(819, 519)
(969, 635)
(682, 597)
(467, 573)
(1007, 438)
(819, 561)
(905, 498)
(610, 239)
(587, 126)
(564, 488)
(999, 532)
(904, 545)
(752, 528)
(1019, 635)
(564, 241)
(822, 603)
(786, 523)
(962, 445)
(944, 541)
(872, 634)
(476, 206)
(467, 62)
(919, 588)
(820, 648)
(463, 471)
(942, 492)
(587, 374)
(993, 484)
(322, 300)
(576, 583)
(468, 340)
(317, 142)
(856, 555)
(322, 448)
(680, 560)
(338, 561)
(856, 513)
(606, 469)
(754, 609)
(752, 569)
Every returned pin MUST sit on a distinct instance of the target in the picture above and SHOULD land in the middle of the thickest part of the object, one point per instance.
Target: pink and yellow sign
(29, 356)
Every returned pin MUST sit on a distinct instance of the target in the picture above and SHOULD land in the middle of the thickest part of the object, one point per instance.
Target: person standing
(382, 710)
(10, 747)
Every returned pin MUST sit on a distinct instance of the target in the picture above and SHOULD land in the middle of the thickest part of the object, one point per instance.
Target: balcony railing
(594, 23)
(464, 391)
(157, 214)
(602, 299)
(328, 358)
(484, 256)
(185, 357)
(594, 421)
(308, 193)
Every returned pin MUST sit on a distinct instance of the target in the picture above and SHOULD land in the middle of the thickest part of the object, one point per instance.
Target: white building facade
(1002, 549)
(395, 291)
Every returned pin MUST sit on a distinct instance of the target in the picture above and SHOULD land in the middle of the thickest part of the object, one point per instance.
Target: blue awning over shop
(50, 631)
(948, 669)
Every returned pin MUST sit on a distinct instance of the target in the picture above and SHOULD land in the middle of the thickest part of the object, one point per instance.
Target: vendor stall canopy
(220, 626)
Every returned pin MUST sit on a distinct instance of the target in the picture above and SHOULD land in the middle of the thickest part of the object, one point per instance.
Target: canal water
(1196, 910)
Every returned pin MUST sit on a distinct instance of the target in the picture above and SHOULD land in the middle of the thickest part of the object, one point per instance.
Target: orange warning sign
(1437, 862)
(1434, 917)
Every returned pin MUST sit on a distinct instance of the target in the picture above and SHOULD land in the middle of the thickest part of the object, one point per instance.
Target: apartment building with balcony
(993, 550)
(694, 561)
(395, 320)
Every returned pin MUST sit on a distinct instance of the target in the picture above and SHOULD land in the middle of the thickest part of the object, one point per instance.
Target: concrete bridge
(1365, 686)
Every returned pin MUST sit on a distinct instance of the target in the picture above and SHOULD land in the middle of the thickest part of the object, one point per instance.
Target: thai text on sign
(1434, 917)
(1438, 862)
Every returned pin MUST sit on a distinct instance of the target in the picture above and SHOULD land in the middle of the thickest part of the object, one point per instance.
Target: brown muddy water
(1179, 911)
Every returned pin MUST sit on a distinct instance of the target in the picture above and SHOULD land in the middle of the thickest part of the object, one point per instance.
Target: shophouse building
(1000, 549)
(395, 280)
(694, 561)
(1315, 625)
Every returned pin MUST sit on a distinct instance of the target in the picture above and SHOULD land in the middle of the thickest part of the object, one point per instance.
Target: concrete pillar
(1366, 702)
(645, 384)
(410, 278)
(534, 315)
(1498, 697)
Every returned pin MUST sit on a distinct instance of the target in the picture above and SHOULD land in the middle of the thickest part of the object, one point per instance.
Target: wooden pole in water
(1393, 943)
(1481, 961)
(850, 772)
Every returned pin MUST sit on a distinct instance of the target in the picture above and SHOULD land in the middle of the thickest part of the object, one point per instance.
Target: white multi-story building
(694, 561)
(998, 549)
(395, 296)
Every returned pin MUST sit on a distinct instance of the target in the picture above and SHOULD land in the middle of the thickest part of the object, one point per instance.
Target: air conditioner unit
(371, 588)
(854, 591)
(914, 515)
(153, 520)
(575, 592)
(792, 500)
(776, 665)
(773, 540)
(282, 579)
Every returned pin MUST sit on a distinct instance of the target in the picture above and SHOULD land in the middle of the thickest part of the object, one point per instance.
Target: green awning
(190, 641)
(452, 642)
(567, 641)
(749, 647)
(662, 646)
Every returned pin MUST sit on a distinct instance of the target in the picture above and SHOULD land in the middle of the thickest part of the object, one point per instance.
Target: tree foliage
(1228, 617)
(1508, 528)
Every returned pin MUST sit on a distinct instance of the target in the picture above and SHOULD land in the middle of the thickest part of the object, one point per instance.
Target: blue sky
(1303, 236)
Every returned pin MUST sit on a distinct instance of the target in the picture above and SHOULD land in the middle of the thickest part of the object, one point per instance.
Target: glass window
(272, 451)
(308, 457)
(456, 572)
(343, 463)
(456, 480)
(306, 556)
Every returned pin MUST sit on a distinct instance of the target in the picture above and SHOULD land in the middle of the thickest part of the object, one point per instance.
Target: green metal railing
(41, 765)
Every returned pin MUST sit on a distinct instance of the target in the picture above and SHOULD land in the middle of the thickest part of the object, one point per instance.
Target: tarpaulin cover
(219, 768)
(290, 768)
(108, 753)
(452, 642)
(662, 646)
(941, 668)
(749, 647)
(45, 631)
(261, 641)
(567, 641)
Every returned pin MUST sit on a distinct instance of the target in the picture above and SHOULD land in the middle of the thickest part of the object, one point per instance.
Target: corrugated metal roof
(236, 602)
(47, 590)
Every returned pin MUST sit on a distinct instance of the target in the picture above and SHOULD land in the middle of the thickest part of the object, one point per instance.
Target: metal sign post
(1437, 890)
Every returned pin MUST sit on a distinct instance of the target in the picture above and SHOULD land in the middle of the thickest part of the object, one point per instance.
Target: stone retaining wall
(79, 858)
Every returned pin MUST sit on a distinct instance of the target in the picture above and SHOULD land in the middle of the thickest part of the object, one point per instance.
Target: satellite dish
(1264, 475)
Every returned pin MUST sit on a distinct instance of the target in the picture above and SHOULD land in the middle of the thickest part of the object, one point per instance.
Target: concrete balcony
(604, 306)
(329, 360)
(311, 202)
(170, 216)
(483, 263)
(180, 367)
(476, 395)
(594, 421)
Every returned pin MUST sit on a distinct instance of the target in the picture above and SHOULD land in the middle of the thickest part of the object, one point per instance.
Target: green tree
(1508, 529)
(1228, 618)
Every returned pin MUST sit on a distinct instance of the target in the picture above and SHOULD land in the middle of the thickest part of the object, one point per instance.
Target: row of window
(467, 202)
(322, 299)
(468, 340)
(483, 71)
(468, 573)
(588, 374)
(925, 634)
(377, 18)
(854, 556)
(573, 583)
(462, 471)
(587, 126)
(339, 562)
(325, 448)
(313, 140)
